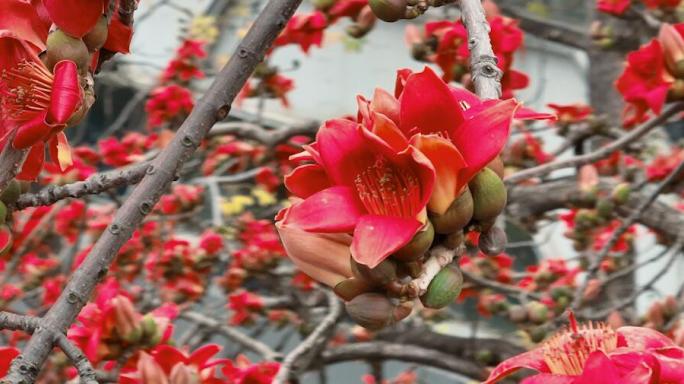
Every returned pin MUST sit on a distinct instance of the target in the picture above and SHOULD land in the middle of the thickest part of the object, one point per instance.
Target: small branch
(14, 322)
(312, 341)
(270, 138)
(249, 343)
(85, 370)
(499, 287)
(380, 350)
(624, 226)
(600, 153)
(483, 64)
(547, 29)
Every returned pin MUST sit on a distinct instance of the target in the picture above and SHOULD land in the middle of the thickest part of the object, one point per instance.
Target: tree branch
(483, 63)
(547, 29)
(214, 106)
(600, 153)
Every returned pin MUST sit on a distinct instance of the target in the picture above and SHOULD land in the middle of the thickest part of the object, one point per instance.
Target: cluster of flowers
(654, 74)
(45, 76)
(620, 7)
(375, 192)
(445, 43)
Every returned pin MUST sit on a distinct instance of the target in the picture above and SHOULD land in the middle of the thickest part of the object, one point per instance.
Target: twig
(499, 287)
(86, 373)
(256, 132)
(483, 63)
(600, 153)
(214, 106)
(379, 350)
(249, 343)
(624, 226)
(14, 322)
(311, 341)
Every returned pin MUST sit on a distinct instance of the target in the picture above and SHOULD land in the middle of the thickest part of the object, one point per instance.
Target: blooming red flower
(614, 7)
(644, 83)
(35, 104)
(244, 371)
(167, 103)
(571, 113)
(244, 305)
(126, 151)
(167, 364)
(305, 30)
(595, 353)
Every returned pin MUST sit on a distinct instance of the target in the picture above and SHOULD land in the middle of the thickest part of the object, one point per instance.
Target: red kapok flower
(571, 113)
(244, 371)
(614, 7)
(304, 30)
(361, 184)
(75, 17)
(7, 354)
(167, 103)
(35, 103)
(595, 353)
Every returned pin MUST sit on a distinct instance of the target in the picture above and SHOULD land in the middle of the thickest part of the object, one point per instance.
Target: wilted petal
(377, 237)
(66, 93)
(60, 151)
(75, 17)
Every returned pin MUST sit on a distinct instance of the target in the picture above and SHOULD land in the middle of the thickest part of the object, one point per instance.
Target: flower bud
(388, 10)
(151, 334)
(3, 212)
(561, 291)
(126, 319)
(96, 38)
(493, 241)
(604, 208)
(537, 334)
(417, 247)
(444, 288)
(382, 274)
(183, 374)
(363, 24)
(620, 194)
(517, 313)
(456, 217)
(484, 356)
(673, 49)
(454, 240)
(6, 239)
(497, 165)
(11, 192)
(371, 310)
(61, 46)
(402, 310)
(537, 312)
(150, 371)
(489, 195)
(350, 288)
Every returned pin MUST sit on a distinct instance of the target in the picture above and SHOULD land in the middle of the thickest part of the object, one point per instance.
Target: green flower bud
(489, 195)
(456, 217)
(417, 247)
(444, 288)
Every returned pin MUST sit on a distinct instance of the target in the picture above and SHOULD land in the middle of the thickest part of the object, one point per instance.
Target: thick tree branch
(214, 106)
(600, 153)
(486, 74)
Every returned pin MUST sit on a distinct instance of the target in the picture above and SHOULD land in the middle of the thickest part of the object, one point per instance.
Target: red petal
(481, 138)
(32, 132)
(448, 163)
(331, 210)
(402, 76)
(387, 130)
(15, 50)
(21, 18)
(66, 93)
(640, 338)
(599, 369)
(386, 104)
(168, 356)
(5, 245)
(119, 36)
(75, 17)
(533, 359)
(427, 106)
(306, 180)
(377, 237)
(203, 354)
(60, 151)
(548, 378)
(33, 163)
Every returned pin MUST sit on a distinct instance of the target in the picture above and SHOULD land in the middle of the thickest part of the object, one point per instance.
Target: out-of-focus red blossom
(274, 86)
(303, 281)
(227, 148)
(7, 354)
(595, 353)
(243, 371)
(524, 150)
(548, 273)
(406, 377)
(245, 305)
(182, 198)
(571, 113)
(613, 7)
(129, 149)
(644, 84)
(169, 365)
(606, 232)
(447, 46)
(69, 220)
(261, 247)
(490, 303)
(82, 167)
(185, 66)
(268, 179)
(494, 268)
(9, 292)
(305, 30)
(652, 4)
(167, 103)
(662, 165)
